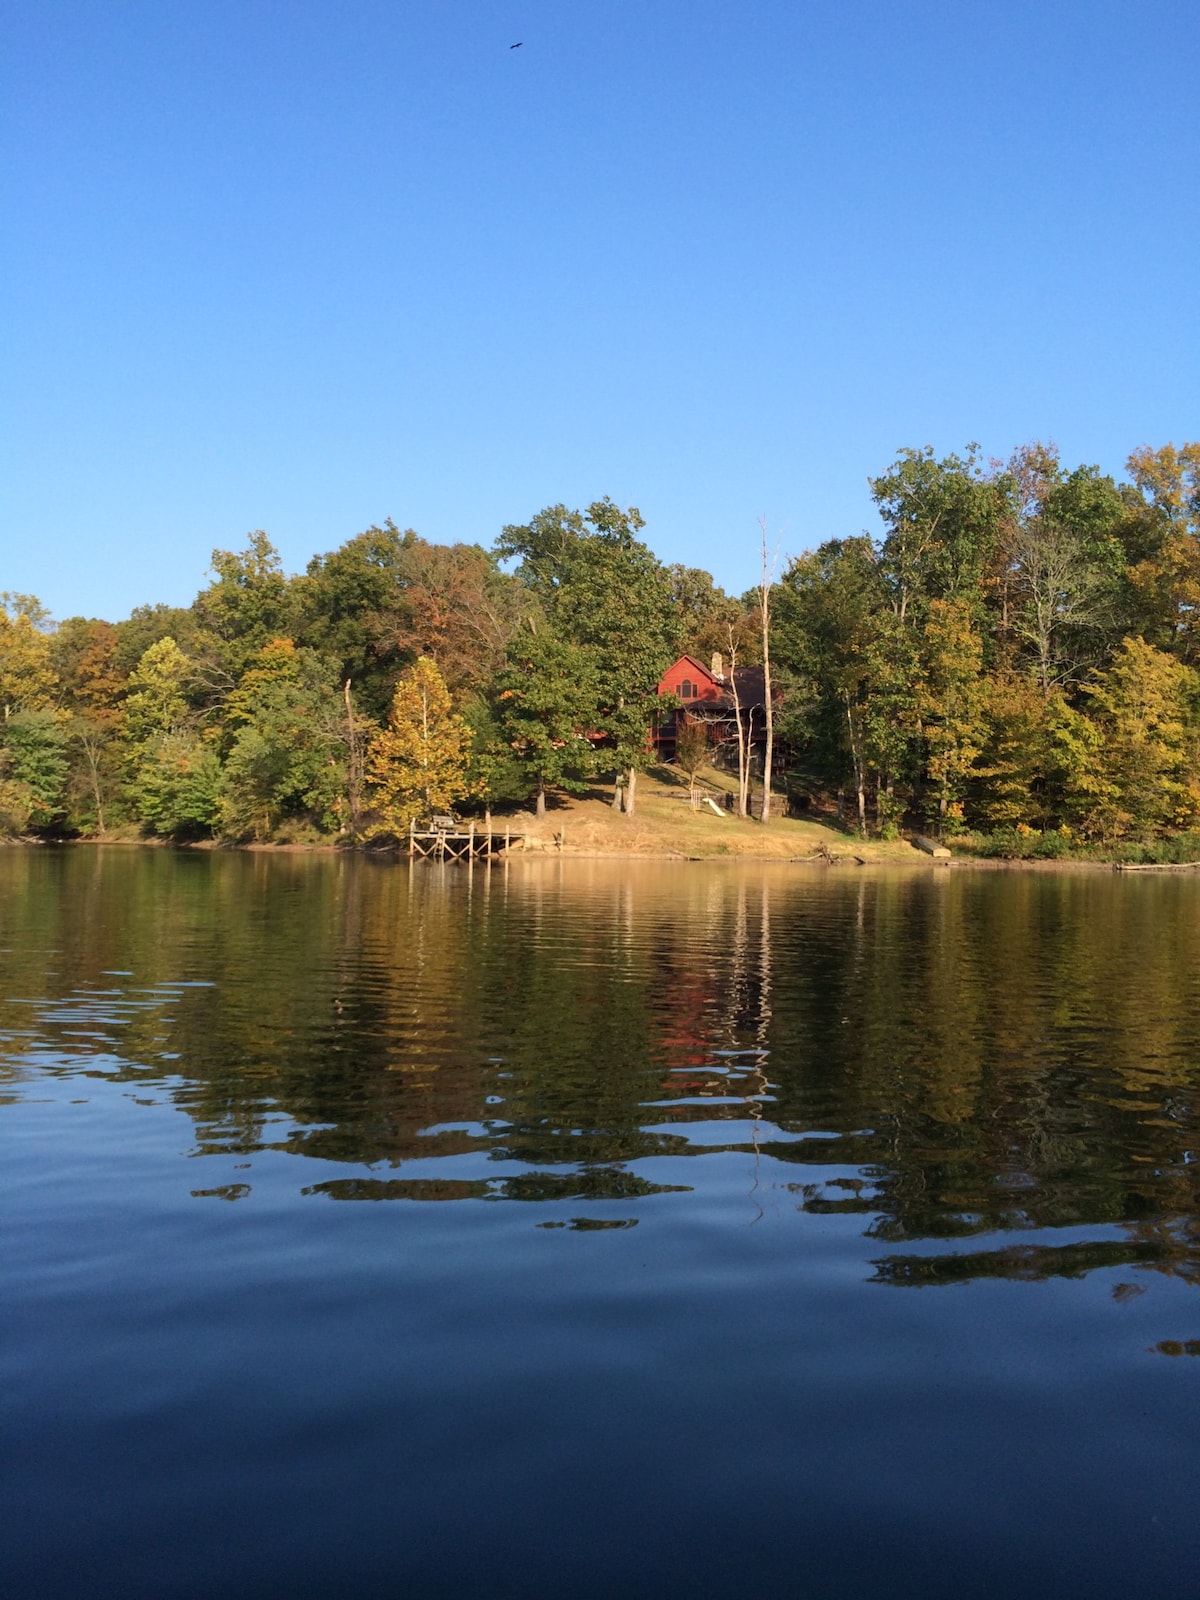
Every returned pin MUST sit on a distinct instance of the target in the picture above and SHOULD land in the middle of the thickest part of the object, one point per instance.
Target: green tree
(35, 758)
(1064, 601)
(890, 715)
(172, 775)
(545, 702)
(177, 787)
(146, 625)
(1063, 583)
(287, 757)
(705, 614)
(418, 762)
(604, 592)
(248, 603)
(352, 607)
(386, 597)
(158, 699)
(829, 633)
(943, 520)
(495, 772)
(95, 768)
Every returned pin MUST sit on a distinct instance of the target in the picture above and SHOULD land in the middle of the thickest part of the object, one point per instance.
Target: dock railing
(447, 839)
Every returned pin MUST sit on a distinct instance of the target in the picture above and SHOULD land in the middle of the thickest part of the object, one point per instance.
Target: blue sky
(307, 265)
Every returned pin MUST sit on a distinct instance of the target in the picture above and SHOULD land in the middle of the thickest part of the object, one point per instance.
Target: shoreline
(823, 858)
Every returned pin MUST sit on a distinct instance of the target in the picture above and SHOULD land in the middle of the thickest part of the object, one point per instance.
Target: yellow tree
(1169, 478)
(418, 762)
(1012, 769)
(1040, 761)
(1167, 579)
(28, 734)
(1147, 764)
(27, 676)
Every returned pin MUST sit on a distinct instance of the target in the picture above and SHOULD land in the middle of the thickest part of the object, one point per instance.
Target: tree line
(1017, 652)
(394, 677)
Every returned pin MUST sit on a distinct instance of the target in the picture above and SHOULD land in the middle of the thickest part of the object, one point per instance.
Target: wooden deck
(453, 842)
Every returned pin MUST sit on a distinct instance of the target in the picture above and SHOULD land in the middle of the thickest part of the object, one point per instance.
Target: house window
(687, 690)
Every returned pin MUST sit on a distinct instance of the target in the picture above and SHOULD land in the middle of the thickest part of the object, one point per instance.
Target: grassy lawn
(664, 824)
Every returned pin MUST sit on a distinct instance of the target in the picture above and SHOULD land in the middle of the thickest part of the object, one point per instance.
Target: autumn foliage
(1015, 656)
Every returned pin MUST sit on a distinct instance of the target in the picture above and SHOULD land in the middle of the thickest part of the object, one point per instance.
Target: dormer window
(687, 689)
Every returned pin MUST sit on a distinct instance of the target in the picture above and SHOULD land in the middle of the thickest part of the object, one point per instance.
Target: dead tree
(768, 577)
(743, 805)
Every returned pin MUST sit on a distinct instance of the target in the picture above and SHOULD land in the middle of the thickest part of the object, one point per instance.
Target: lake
(582, 1228)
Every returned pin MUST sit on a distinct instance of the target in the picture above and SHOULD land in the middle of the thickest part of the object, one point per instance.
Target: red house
(706, 695)
(692, 680)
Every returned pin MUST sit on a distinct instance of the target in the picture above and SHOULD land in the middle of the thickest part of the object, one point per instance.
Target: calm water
(596, 1229)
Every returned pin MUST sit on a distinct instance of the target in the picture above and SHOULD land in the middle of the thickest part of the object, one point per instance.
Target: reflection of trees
(1024, 1048)
(990, 1054)
(1027, 1262)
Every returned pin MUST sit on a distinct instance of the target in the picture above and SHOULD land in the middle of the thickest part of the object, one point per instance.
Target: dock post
(412, 837)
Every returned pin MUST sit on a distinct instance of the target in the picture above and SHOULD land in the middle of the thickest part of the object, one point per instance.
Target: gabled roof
(699, 666)
(751, 688)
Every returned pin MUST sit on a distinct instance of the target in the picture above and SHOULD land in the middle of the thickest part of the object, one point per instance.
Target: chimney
(718, 667)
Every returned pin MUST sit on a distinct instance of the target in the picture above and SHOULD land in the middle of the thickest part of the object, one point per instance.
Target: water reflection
(948, 1059)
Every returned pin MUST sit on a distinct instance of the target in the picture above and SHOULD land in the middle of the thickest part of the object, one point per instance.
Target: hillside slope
(665, 824)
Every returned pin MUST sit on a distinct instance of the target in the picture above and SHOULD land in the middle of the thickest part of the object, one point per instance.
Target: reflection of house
(706, 695)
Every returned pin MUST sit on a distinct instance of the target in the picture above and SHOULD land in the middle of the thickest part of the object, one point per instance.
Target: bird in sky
(518, 45)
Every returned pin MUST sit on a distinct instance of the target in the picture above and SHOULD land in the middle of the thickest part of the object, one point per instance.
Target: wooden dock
(446, 839)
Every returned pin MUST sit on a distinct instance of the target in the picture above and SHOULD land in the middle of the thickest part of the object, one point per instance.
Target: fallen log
(930, 846)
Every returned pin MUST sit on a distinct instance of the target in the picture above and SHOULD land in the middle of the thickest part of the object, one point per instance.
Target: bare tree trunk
(859, 775)
(630, 790)
(743, 754)
(100, 830)
(92, 756)
(541, 800)
(743, 806)
(616, 799)
(768, 574)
